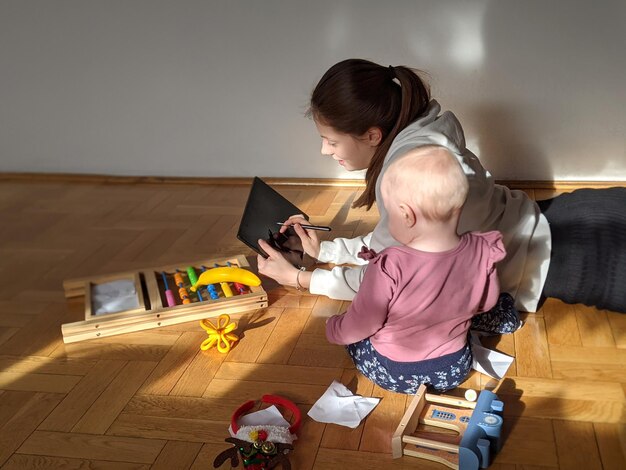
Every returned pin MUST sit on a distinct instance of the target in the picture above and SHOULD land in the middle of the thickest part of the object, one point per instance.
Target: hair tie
(392, 71)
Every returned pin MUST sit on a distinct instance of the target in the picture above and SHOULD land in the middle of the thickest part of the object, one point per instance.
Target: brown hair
(355, 95)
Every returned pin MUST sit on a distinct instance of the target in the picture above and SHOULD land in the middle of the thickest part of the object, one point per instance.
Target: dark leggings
(588, 260)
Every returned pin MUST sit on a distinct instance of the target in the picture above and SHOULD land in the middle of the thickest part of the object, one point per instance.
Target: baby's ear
(408, 215)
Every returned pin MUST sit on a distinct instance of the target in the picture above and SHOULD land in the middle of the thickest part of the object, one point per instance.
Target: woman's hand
(310, 242)
(276, 266)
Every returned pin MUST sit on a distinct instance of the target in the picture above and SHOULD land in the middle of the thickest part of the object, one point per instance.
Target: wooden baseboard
(327, 182)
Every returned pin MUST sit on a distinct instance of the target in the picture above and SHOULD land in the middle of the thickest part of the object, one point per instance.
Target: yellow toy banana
(226, 274)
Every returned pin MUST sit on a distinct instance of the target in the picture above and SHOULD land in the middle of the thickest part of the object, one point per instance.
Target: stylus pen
(323, 228)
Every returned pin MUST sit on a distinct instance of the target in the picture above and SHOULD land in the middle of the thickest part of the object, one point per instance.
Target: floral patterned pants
(441, 373)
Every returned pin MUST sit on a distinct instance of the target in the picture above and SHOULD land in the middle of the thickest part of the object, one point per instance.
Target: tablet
(264, 208)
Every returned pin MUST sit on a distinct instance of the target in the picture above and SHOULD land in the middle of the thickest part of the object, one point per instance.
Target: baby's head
(426, 185)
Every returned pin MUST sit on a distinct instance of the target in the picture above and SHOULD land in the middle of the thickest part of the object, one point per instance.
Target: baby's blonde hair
(430, 179)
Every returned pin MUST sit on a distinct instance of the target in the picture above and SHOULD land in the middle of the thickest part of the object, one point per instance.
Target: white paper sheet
(339, 406)
(487, 361)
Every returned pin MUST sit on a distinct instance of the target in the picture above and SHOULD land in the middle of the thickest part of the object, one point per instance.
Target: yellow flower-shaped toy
(221, 336)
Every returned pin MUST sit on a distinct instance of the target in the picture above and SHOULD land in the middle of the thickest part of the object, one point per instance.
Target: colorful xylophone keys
(191, 280)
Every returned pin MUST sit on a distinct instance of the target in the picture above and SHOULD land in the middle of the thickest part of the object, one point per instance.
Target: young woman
(572, 247)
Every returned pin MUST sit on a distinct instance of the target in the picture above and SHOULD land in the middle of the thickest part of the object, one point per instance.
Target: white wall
(219, 88)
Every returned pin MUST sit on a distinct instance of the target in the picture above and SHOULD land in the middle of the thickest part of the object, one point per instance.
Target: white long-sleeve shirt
(489, 206)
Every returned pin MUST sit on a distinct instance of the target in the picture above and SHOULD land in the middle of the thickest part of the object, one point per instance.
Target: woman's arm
(341, 283)
(337, 251)
(344, 250)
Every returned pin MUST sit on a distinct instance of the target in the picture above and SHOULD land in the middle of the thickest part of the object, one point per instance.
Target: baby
(408, 324)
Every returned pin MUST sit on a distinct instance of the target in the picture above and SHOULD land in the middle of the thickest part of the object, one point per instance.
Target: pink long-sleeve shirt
(415, 305)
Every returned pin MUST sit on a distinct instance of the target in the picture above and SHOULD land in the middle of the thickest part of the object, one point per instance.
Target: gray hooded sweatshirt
(489, 206)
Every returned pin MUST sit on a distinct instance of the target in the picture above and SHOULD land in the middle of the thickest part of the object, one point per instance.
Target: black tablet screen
(264, 208)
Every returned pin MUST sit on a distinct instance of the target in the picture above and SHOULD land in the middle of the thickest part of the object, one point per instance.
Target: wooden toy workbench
(150, 305)
(478, 429)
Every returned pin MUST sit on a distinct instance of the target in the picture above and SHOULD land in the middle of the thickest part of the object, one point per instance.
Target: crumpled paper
(486, 361)
(338, 405)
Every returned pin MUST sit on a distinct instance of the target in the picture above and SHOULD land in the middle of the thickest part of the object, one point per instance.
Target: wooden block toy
(160, 296)
(477, 426)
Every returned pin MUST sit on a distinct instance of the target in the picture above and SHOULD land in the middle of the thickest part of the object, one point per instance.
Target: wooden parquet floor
(152, 399)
